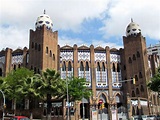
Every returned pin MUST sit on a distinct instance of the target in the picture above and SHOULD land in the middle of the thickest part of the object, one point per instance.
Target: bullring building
(109, 72)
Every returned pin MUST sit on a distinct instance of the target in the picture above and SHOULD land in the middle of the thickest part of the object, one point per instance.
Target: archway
(0, 72)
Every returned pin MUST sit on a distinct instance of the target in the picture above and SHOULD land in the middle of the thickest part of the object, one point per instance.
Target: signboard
(94, 115)
(114, 114)
(57, 104)
(100, 101)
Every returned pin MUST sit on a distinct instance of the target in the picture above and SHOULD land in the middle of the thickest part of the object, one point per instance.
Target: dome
(44, 20)
(133, 29)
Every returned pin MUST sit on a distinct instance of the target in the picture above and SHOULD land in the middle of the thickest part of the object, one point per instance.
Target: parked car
(19, 118)
(151, 117)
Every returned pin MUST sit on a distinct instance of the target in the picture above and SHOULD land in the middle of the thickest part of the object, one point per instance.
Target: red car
(19, 118)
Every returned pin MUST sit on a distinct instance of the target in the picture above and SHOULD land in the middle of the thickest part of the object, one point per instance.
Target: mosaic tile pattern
(115, 58)
(66, 56)
(100, 56)
(83, 56)
(18, 59)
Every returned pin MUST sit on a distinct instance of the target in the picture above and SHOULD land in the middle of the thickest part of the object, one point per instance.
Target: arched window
(134, 57)
(19, 65)
(118, 67)
(98, 66)
(47, 50)
(142, 88)
(81, 66)
(0, 71)
(64, 66)
(103, 66)
(14, 67)
(140, 75)
(53, 57)
(31, 67)
(138, 54)
(130, 60)
(87, 67)
(114, 68)
(50, 53)
(69, 66)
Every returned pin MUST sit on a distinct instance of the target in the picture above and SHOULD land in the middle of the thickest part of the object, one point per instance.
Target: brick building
(109, 72)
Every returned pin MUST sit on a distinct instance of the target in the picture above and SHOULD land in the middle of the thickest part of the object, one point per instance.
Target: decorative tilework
(18, 59)
(2, 59)
(66, 56)
(115, 58)
(84, 56)
(100, 56)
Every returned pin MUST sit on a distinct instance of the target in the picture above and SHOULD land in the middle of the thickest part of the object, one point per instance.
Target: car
(151, 117)
(19, 118)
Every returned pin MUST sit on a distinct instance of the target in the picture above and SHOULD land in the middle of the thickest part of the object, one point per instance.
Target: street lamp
(3, 103)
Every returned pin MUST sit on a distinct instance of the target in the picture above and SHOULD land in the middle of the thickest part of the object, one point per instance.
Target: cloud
(145, 13)
(18, 16)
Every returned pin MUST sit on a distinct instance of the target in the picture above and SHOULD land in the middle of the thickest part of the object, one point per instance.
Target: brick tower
(43, 45)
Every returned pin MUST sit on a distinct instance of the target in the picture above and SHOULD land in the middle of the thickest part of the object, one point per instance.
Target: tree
(155, 81)
(14, 83)
(77, 89)
(52, 87)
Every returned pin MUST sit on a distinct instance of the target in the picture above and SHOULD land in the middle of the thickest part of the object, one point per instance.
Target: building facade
(109, 72)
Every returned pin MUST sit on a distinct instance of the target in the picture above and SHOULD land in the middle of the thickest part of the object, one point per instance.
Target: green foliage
(14, 83)
(52, 84)
(155, 81)
(77, 89)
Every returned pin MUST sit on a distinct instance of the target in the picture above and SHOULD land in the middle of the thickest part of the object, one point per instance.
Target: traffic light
(100, 107)
(103, 106)
(134, 82)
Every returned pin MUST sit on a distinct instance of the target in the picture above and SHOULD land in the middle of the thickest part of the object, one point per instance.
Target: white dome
(133, 29)
(44, 20)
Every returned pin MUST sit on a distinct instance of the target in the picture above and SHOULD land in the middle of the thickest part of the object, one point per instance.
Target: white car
(151, 117)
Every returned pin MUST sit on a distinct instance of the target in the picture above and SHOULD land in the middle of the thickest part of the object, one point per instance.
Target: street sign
(100, 101)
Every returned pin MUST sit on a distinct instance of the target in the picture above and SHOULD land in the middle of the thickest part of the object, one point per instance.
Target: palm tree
(30, 90)
(53, 87)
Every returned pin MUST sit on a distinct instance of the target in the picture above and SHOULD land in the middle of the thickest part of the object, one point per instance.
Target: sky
(82, 22)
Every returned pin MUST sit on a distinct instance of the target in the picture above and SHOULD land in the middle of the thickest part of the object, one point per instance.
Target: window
(87, 67)
(69, 66)
(124, 67)
(64, 66)
(136, 78)
(81, 66)
(133, 94)
(130, 60)
(98, 66)
(14, 67)
(53, 57)
(140, 75)
(103, 66)
(134, 57)
(50, 53)
(19, 66)
(138, 54)
(113, 68)
(142, 88)
(47, 50)
(118, 67)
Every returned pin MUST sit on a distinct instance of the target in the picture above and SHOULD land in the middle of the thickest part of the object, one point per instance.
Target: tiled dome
(44, 20)
(133, 29)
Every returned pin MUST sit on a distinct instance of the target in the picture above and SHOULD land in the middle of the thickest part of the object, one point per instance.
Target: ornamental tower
(43, 45)
(135, 62)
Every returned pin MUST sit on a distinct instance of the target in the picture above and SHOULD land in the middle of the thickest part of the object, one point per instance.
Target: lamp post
(3, 103)
(83, 108)
(67, 100)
